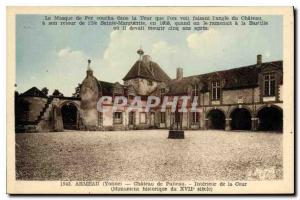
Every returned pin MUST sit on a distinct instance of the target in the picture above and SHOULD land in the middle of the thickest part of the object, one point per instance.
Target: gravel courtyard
(148, 155)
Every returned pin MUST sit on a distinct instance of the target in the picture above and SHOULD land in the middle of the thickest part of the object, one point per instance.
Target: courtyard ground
(148, 155)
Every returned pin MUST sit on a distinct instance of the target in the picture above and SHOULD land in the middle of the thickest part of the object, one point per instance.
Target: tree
(57, 93)
(45, 90)
(77, 91)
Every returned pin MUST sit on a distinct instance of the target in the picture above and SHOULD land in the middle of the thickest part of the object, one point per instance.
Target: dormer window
(150, 83)
(269, 84)
(216, 90)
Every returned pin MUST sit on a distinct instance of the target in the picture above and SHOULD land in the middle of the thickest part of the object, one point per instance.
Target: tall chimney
(89, 71)
(179, 73)
(259, 59)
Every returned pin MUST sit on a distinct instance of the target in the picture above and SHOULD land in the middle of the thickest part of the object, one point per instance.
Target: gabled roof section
(271, 66)
(150, 71)
(33, 92)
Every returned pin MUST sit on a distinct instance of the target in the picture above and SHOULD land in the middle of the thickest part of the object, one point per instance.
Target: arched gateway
(69, 114)
(270, 119)
(240, 119)
(216, 119)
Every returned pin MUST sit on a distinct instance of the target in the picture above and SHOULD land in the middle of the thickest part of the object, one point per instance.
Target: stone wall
(238, 96)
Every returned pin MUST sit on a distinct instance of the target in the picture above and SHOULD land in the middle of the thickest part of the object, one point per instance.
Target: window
(118, 90)
(216, 90)
(153, 101)
(162, 117)
(195, 90)
(269, 84)
(118, 118)
(195, 117)
(143, 118)
(150, 83)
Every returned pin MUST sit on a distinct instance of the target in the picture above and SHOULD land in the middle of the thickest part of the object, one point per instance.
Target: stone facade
(245, 98)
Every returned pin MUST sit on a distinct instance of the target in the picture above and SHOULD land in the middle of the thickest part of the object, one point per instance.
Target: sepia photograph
(150, 100)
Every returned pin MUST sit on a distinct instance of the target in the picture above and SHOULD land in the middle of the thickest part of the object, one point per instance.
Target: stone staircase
(33, 126)
(39, 118)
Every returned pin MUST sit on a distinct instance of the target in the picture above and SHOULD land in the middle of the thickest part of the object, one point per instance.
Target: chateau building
(244, 98)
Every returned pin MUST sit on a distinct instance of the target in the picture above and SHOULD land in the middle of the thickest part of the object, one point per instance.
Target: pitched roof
(177, 87)
(152, 71)
(33, 92)
(242, 77)
(106, 88)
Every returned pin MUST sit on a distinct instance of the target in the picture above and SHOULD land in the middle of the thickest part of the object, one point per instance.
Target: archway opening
(69, 116)
(240, 119)
(270, 119)
(216, 119)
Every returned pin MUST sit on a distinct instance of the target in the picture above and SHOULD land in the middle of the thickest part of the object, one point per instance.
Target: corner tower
(89, 94)
(145, 75)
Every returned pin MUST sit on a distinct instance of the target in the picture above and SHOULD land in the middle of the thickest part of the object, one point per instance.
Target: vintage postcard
(150, 100)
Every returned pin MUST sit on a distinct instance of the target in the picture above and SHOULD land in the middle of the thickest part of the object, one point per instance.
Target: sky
(56, 56)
